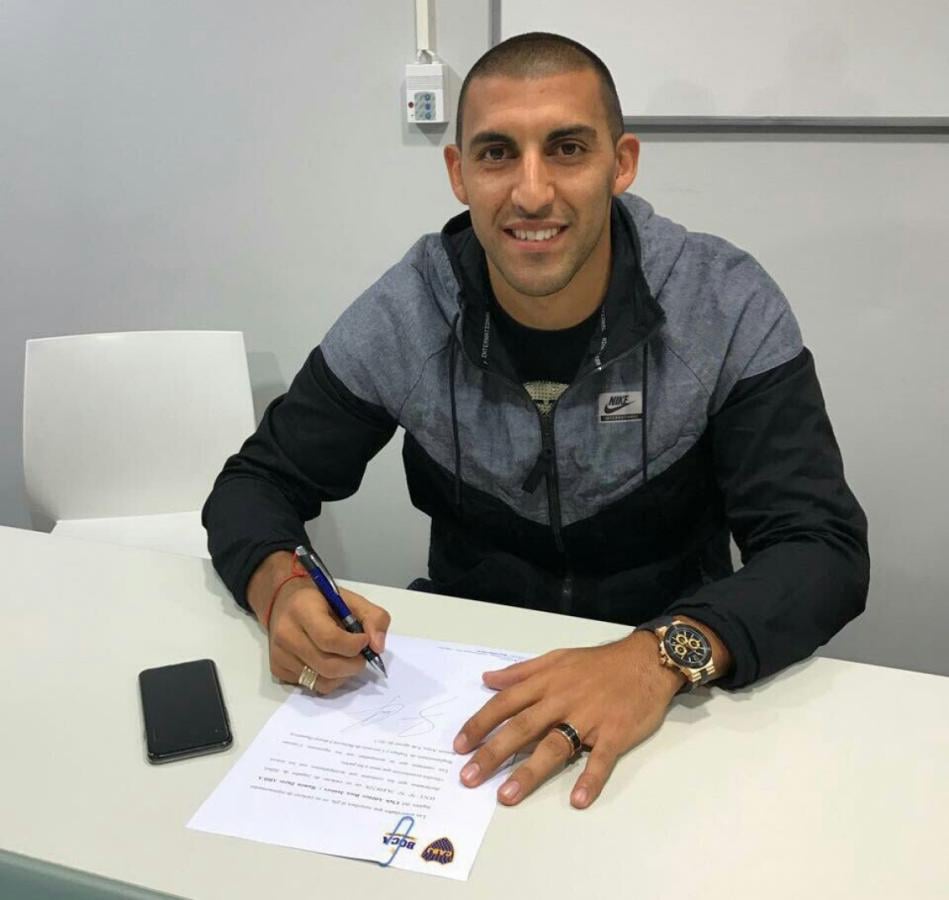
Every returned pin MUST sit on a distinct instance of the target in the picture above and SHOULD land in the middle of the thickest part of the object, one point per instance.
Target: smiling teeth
(544, 235)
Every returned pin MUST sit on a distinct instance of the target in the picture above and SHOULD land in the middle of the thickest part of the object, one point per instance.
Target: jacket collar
(629, 313)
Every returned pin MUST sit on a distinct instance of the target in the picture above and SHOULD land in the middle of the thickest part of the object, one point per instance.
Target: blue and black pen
(327, 586)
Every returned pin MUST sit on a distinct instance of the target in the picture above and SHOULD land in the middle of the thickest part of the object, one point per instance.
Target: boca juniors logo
(393, 839)
(440, 851)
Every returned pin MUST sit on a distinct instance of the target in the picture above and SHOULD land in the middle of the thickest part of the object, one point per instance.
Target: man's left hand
(615, 696)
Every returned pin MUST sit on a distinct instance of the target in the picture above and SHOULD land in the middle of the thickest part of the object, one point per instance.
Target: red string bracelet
(298, 572)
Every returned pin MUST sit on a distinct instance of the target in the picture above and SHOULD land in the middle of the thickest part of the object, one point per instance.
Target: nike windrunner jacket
(695, 414)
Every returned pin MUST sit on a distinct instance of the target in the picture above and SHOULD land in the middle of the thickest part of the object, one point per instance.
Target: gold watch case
(684, 647)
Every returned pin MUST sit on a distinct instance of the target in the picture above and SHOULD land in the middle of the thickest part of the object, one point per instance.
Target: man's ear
(453, 164)
(627, 163)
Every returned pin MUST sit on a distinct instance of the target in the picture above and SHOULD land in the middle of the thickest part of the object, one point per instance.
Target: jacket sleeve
(313, 444)
(801, 531)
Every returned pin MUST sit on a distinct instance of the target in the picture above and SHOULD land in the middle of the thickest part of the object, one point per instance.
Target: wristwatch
(684, 647)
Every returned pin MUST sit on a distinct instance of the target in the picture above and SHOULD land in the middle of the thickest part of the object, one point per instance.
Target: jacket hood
(645, 248)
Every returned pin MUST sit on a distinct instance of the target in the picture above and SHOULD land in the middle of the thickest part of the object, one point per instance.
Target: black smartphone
(184, 711)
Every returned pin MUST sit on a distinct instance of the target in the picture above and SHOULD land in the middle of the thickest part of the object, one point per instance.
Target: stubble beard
(548, 284)
(545, 287)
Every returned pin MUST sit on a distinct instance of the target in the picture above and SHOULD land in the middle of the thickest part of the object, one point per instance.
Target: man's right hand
(304, 631)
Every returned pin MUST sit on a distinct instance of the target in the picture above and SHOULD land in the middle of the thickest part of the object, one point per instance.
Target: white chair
(123, 434)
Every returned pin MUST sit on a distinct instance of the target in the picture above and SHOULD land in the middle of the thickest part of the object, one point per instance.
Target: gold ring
(307, 678)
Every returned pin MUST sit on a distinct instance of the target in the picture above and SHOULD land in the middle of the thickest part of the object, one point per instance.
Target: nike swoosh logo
(612, 407)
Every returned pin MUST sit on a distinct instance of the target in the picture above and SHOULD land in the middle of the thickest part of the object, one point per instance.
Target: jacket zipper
(546, 467)
(546, 464)
(547, 461)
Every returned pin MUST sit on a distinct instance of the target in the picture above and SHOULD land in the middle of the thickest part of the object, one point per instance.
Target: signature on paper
(415, 724)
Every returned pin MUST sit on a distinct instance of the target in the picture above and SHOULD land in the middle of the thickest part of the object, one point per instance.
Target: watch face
(687, 646)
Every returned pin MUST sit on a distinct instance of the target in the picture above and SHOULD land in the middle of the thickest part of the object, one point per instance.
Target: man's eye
(570, 148)
(493, 154)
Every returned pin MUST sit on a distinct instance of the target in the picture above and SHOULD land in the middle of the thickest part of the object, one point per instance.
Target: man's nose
(533, 192)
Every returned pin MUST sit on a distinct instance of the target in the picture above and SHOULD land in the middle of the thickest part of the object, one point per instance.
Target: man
(593, 398)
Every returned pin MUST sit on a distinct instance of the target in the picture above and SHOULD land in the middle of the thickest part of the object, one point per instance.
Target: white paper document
(369, 772)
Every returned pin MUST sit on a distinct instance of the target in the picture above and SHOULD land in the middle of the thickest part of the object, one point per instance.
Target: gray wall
(245, 165)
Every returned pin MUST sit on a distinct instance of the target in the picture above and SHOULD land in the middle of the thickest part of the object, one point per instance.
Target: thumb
(374, 619)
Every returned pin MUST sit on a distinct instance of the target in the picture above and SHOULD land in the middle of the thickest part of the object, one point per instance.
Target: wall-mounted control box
(425, 94)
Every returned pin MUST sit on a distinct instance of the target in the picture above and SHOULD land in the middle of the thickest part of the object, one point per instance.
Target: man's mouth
(541, 236)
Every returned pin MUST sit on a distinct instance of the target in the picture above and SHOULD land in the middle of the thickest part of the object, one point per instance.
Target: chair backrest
(133, 423)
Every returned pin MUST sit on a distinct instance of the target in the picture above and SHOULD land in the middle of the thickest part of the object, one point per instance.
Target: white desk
(831, 780)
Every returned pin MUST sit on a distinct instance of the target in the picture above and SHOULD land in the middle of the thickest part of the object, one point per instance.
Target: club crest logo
(441, 851)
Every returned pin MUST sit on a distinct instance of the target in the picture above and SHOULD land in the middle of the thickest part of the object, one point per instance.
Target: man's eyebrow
(581, 131)
(491, 137)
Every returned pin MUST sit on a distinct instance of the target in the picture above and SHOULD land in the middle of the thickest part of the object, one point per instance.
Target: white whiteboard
(732, 59)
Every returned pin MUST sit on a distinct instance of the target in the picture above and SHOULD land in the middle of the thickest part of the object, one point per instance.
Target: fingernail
(470, 772)
(509, 791)
(461, 743)
(581, 797)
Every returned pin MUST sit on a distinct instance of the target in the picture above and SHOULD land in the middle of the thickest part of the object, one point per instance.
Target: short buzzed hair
(537, 55)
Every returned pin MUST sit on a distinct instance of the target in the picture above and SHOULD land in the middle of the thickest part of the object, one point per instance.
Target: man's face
(538, 170)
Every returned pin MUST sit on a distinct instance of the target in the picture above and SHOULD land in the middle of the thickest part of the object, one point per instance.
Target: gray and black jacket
(696, 414)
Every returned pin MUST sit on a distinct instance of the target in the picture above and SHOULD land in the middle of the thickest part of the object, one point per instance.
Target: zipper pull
(540, 470)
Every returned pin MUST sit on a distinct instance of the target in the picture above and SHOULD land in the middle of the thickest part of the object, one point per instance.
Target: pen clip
(311, 560)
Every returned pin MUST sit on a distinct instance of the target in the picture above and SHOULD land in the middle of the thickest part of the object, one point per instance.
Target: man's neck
(573, 304)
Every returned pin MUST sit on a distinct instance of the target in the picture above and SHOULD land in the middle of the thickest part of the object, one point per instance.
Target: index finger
(516, 672)
(498, 709)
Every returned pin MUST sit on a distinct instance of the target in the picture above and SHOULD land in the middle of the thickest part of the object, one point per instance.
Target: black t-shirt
(546, 361)
(543, 355)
